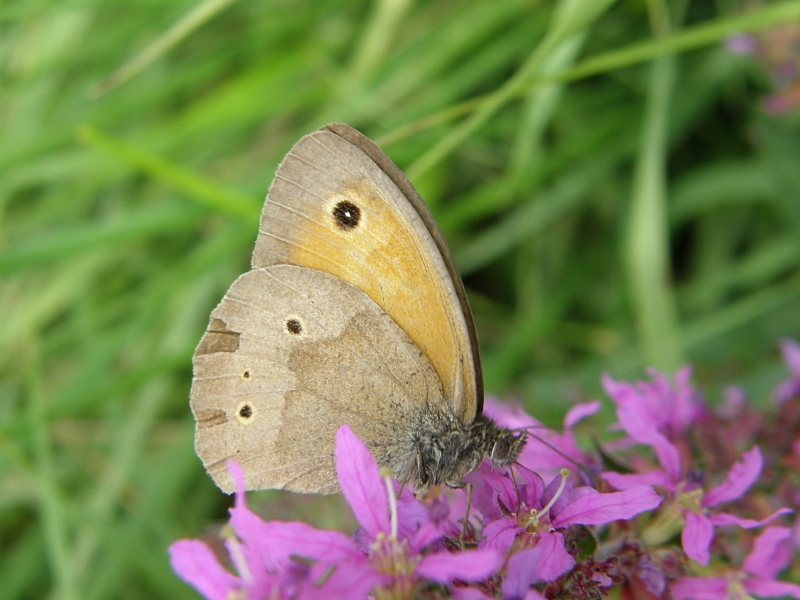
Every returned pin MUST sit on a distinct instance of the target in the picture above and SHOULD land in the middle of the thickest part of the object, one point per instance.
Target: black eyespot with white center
(346, 215)
(245, 412)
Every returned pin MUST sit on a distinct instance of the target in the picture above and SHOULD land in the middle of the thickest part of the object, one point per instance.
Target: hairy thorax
(442, 450)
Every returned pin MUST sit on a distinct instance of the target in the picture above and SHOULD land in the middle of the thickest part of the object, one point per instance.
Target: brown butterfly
(353, 312)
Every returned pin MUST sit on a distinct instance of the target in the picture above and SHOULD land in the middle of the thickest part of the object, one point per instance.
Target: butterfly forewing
(333, 209)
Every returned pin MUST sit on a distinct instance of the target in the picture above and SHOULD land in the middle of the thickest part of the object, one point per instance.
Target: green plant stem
(50, 503)
(647, 254)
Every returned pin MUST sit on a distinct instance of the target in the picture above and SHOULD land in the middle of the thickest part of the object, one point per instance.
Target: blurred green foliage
(611, 190)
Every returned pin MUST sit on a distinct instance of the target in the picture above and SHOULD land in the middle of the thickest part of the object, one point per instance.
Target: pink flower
(528, 521)
(770, 555)
(546, 561)
(790, 387)
(655, 414)
(293, 560)
(699, 523)
(670, 409)
(744, 45)
(526, 538)
(695, 505)
(274, 559)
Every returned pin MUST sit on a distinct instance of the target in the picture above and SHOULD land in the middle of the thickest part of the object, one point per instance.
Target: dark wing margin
(379, 157)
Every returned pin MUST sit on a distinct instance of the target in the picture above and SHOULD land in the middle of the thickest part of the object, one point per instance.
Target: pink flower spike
(699, 588)
(195, 563)
(361, 483)
(741, 476)
(595, 508)
(470, 566)
(771, 553)
(696, 537)
(547, 561)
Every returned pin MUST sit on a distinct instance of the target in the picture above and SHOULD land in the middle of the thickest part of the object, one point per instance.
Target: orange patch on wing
(381, 257)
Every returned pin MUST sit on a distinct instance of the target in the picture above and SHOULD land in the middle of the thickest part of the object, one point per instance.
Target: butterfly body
(445, 450)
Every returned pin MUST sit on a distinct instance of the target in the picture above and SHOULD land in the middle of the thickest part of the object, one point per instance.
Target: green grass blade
(647, 253)
(203, 191)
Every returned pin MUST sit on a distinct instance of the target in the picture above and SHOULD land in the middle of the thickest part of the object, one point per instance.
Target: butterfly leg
(467, 508)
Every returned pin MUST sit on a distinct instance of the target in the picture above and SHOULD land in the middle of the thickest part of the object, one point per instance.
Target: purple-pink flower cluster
(687, 502)
(778, 52)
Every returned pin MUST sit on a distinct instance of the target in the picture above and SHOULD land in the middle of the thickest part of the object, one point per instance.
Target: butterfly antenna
(547, 444)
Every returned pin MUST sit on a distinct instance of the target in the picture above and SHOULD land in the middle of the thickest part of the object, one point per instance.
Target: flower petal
(741, 476)
(652, 576)
(508, 414)
(644, 410)
(699, 588)
(696, 537)
(625, 481)
(347, 580)
(667, 453)
(791, 356)
(771, 553)
(786, 390)
(460, 593)
(742, 44)
(546, 561)
(772, 589)
(520, 575)
(734, 402)
(579, 412)
(237, 474)
(270, 545)
(596, 508)
(246, 558)
(724, 519)
(554, 560)
(685, 401)
(195, 563)
(500, 535)
(361, 483)
(469, 566)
